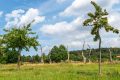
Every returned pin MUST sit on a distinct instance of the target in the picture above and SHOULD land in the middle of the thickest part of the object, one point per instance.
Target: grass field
(59, 72)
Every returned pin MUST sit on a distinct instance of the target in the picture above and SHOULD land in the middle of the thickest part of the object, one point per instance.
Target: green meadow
(61, 71)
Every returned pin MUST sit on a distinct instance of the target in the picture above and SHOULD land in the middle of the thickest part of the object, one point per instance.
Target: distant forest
(53, 56)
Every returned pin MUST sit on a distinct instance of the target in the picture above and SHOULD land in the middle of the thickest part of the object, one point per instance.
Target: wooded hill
(94, 55)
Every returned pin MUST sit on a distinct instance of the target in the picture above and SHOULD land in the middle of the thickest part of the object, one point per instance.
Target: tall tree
(98, 20)
(58, 54)
(63, 52)
(20, 38)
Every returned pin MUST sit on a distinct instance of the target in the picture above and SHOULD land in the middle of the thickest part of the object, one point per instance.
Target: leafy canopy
(20, 38)
(58, 54)
(99, 20)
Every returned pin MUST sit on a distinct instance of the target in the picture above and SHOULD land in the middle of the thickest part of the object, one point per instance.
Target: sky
(59, 22)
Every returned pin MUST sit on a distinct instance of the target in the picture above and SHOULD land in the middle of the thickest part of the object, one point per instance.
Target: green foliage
(98, 20)
(77, 55)
(11, 56)
(2, 48)
(36, 58)
(58, 54)
(26, 58)
(46, 58)
(20, 38)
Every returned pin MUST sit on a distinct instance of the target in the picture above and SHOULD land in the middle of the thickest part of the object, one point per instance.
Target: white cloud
(58, 28)
(76, 7)
(73, 33)
(30, 15)
(80, 7)
(68, 33)
(1, 13)
(114, 19)
(61, 27)
(19, 18)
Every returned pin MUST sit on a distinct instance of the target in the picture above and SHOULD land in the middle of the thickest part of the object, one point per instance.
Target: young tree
(20, 38)
(98, 20)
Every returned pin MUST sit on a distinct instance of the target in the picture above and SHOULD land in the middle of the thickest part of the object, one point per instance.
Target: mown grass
(63, 71)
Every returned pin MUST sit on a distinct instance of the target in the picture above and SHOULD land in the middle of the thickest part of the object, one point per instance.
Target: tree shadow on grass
(11, 69)
(87, 73)
(15, 69)
(27, 69)
(113, 73)
(84, 73)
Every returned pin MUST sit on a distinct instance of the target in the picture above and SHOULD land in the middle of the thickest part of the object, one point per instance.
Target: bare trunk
(110, 55)
(99, 55)
(50, 58)
(84, 58)
(19, 59)
(68, 56)
(89, 54)
(68, 59)
(42, 61)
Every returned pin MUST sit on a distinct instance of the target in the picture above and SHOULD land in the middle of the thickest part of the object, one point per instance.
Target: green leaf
(91, 15)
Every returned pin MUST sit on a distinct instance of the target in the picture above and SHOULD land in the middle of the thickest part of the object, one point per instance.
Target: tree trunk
(50, 58)
(84, 58)
(99, 55)
(42, 61)
(89, 54)
(19, 59)
(68, 57)
(110, 55)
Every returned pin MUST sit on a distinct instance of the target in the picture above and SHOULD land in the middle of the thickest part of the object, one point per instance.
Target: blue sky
(59, 21)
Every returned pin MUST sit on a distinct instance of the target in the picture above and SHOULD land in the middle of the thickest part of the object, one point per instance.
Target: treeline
(60, 54)
(94, 55)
